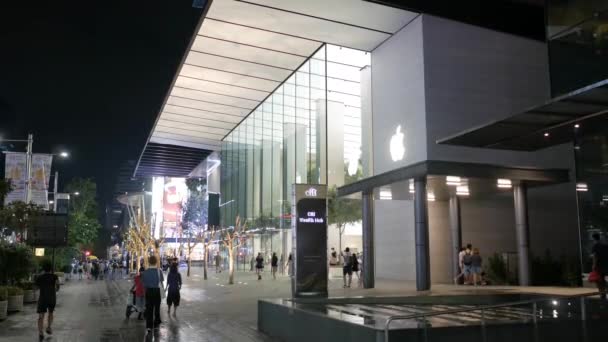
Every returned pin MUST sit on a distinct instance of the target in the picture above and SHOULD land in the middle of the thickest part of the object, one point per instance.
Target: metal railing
(483, 308)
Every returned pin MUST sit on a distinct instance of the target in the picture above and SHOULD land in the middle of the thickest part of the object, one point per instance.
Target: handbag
(160, 285)
(594, 276)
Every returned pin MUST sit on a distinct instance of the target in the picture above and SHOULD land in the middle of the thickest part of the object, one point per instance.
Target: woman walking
(153, 282)
(290, 265)
(476, 261)
(274, 263)
(174, 285)
(259, 265)
(355, 263)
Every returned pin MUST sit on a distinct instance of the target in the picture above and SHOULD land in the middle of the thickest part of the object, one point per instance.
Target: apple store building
(370, 105)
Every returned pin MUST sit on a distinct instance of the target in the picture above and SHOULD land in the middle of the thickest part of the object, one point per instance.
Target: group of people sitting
(470, 262)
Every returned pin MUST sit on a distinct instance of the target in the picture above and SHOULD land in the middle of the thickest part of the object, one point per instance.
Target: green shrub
(17, 263)
(14, 291)
(549, 271)
(27, 285)
(3, 293)
(497, 271)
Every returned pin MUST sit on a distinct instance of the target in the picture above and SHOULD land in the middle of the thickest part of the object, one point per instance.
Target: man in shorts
(48, 283)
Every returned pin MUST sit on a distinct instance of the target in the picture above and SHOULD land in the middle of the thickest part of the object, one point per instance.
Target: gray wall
(474, 76)
(398, 97)
(394, 238)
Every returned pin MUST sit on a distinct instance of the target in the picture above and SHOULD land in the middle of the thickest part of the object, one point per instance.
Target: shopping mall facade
(445, 133)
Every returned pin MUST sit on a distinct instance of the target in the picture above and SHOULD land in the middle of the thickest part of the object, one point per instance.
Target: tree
(83, 223)
(233, 238)
(5, 187)
(194, 218)
(342, 211)
(16, 216)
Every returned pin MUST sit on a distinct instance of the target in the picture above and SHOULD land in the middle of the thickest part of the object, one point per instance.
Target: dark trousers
(152, 307)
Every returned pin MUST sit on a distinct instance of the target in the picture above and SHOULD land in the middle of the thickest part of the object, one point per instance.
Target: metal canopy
(169, 160)
(245, 49)
(532, 176)
(546, 125)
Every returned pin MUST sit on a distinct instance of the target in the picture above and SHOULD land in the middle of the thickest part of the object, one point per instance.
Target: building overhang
(244, 50)
(531, 176)
(169, 160)
(552, 123)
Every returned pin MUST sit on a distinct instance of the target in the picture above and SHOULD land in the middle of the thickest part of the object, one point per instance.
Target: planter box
(3, 310)
(30, 296)
(15, 303)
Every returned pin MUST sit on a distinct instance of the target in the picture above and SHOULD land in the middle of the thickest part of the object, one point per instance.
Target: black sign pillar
(309, 224)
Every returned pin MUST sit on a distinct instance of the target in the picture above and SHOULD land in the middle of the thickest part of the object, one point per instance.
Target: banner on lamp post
(16, 171)
(41, 174)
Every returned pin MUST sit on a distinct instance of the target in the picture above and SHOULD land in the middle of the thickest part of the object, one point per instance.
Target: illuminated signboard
(310, 241)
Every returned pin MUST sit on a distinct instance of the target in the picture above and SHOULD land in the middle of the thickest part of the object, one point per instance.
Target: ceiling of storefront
(245, 49)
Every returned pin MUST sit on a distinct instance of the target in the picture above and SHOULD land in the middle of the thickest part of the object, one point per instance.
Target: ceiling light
(462, 190)
(577, 126)
(411, 187)
(430, 196)
(504, 183)
(581, 187)
(546, 134)
(386, 194)
(452, 180)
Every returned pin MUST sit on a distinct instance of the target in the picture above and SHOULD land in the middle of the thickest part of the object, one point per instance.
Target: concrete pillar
(522, 233)
(456, 230)
(421, 230)
(369, 261)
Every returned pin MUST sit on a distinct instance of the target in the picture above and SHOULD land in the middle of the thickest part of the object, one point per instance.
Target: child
(138, 288)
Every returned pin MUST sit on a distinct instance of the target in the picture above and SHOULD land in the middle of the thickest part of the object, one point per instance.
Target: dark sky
(90, 77)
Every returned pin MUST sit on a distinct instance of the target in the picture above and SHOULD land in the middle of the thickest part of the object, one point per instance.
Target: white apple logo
(397, 148)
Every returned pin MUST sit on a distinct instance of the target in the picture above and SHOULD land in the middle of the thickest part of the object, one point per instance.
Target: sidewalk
(210, 310)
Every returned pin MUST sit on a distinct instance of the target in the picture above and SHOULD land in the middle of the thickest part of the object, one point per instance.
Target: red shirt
(139, 286)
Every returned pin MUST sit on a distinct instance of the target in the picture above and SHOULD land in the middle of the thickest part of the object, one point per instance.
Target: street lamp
(76, 193)
(64, 154)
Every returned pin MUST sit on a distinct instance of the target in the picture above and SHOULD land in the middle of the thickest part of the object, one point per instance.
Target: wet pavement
(210, 311)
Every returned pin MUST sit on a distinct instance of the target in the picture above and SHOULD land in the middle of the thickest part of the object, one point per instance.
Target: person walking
(458, 279)
(600, 263)
(290, 265)
(476, 262)
(139, 290)
(259, 265)
(274, 265)
(153, 283)
(174, 285)
(48, 284)
(218, 260)
(355, 263)
(80, 270)
(347, 269)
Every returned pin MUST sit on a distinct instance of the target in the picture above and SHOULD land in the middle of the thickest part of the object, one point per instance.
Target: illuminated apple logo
(397, 147)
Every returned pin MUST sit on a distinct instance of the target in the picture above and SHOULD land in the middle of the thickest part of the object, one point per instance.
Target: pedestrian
(139, 291)
(333, 259)
(80, 270)
(102, 269)
(600, 263)
(466, 264)
(476, 262)
(347, 269)
(282, 263)
(252, 264)
(274, 265)
(153, 284)
(458, 279)
(174, 285)
(259, 265)
(355, 263)
(290, 265)
(95, 271)
(114, 269)
(218, 260)
(48, 284)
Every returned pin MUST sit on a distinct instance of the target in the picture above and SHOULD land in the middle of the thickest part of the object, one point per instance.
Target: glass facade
(578, 43)
(307, 131)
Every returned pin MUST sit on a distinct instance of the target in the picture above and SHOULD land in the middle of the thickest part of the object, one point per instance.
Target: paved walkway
(211, 310)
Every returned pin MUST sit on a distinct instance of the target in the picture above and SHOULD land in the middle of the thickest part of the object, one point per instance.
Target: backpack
(467, 259)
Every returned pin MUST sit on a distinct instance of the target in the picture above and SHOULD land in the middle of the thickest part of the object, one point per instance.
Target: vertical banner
(309, 224)
(16, 171)
(41, 174)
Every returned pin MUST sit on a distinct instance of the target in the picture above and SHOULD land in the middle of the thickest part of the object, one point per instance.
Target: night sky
(89, 77)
